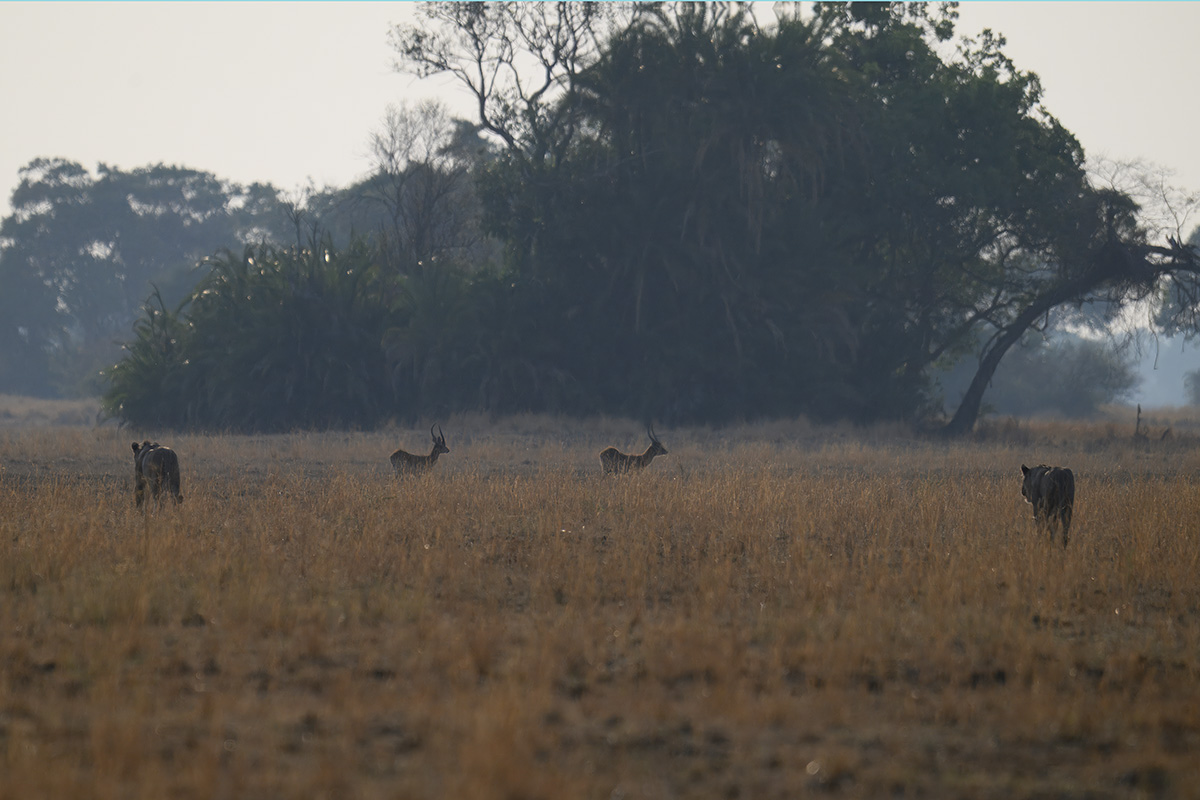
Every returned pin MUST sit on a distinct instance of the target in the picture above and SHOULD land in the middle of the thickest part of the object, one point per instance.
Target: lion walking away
(1051, 490)
(157, 467)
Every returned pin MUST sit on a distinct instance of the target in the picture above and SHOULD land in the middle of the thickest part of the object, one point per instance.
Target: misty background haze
(127, 86)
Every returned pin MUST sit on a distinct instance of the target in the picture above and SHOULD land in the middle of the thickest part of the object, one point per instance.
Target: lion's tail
(173, 479)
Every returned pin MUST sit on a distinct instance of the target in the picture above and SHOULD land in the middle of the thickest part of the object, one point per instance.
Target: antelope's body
(156, 467)
(614, 462)
(405, 463)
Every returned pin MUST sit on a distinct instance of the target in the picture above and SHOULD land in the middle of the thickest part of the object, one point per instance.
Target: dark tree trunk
(1114, 262)
(963, 421)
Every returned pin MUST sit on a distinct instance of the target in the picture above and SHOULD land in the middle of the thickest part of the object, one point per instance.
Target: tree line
(668, 212)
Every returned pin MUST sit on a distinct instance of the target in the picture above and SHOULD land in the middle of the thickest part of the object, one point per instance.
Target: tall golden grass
(770, 611)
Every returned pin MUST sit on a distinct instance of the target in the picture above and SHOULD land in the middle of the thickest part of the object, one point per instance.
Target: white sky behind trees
(288, 92)
(282, 92)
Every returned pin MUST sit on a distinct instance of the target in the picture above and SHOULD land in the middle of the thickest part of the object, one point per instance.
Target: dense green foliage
(801, 219)
(80, 253)
(683, 215)
(271, 340)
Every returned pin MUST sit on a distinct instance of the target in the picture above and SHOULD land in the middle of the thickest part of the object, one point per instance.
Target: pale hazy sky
(284, 91)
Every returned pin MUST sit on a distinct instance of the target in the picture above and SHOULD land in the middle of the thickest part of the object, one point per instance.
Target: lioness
(157, 466)
(1051, 490)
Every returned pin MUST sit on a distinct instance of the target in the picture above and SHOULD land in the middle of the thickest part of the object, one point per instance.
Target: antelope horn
(441, 436)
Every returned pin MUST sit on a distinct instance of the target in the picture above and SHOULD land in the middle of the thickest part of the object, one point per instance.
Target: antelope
(614, 462)
(408, 464)
(157, 467)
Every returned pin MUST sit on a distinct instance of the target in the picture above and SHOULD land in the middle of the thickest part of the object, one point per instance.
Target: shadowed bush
(272, 340)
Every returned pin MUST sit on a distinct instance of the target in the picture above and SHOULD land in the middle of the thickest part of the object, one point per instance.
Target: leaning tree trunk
(963, 421)
(1114, 262)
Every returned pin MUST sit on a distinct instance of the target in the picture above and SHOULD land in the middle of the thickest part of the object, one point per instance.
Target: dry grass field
(771, 611)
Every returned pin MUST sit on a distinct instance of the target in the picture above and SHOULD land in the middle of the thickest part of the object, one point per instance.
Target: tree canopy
(806, 218)
(80, 251)
(667, 211)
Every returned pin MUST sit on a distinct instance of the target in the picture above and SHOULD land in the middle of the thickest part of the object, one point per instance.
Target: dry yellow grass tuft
(765, 612)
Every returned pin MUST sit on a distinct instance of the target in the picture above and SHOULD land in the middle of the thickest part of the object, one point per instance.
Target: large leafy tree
(701, 130)
(702, 219)
(374, 313)
(724, 220)
(948, 208)
(990, 221)
(81, 251)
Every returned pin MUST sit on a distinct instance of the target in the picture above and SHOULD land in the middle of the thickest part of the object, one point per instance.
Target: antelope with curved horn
(614, 462)
(405, 463)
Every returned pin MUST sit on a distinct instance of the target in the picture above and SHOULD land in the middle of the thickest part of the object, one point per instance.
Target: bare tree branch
(518, 60)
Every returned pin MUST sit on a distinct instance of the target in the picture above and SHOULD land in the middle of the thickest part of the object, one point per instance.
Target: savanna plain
(771, 610)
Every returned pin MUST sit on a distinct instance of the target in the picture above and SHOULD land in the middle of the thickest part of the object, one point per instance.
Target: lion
(158, 467)
(1051, 490)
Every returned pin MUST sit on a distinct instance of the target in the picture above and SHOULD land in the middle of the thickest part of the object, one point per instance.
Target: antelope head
(405, 463)
(439, 440)
(656, 447)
